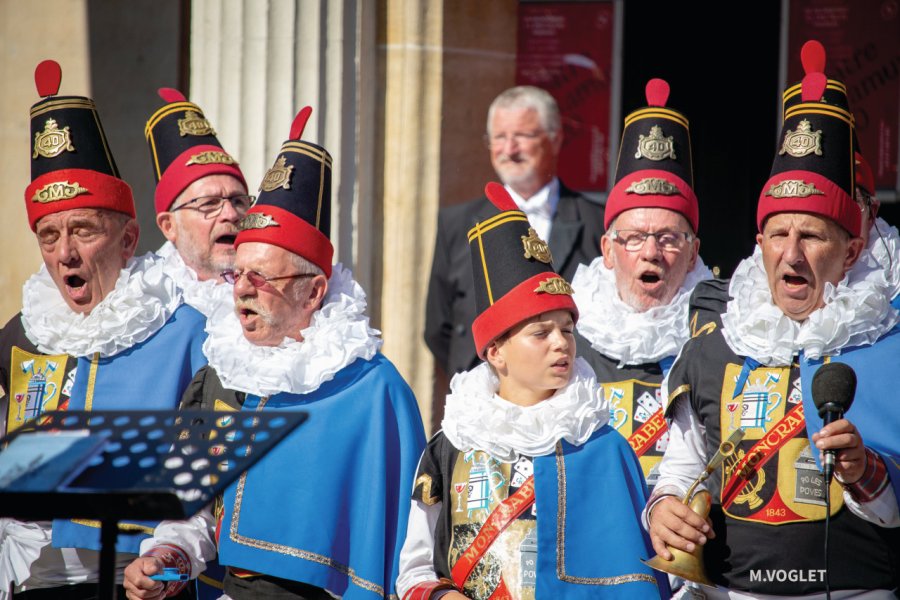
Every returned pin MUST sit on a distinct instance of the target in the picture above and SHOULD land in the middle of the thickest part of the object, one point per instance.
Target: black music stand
(134, 465)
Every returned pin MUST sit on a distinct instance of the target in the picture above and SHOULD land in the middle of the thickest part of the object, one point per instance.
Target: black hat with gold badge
(654, 168)
(184, 148)
(814, 168)
(293, 209)
(514, 279)
(71, 163)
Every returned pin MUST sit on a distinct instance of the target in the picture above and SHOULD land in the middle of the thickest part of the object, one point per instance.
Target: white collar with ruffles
(338, 334)
(143, 299)
(477, 418)
(205, 296)
(857, 312)
(617, 330)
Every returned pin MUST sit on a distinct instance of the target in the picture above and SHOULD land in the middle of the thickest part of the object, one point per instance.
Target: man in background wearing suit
(524, 136)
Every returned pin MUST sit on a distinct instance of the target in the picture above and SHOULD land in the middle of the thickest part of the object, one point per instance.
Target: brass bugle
(689, 565)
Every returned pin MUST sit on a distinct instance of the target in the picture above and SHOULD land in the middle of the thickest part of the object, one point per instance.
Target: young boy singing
(526, 492)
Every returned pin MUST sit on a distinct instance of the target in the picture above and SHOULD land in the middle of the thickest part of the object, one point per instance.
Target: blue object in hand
(170, 574)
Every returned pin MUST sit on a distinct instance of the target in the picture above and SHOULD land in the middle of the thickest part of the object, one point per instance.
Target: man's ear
(166, 223)
(606, 249)
(317, 290)
(130, 238)
(854, 251)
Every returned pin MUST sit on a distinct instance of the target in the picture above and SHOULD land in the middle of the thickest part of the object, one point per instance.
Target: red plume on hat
(293, 210)
(71, 163)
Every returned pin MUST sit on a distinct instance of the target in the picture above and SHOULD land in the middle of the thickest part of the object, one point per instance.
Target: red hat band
(271, 224)
(191, 165)
(534, 296)
(67, 189)
(650, 188)
(808, 192)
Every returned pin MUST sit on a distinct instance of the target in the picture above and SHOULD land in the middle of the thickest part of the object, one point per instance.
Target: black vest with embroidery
(469, 486)
(635, 406)
(32, 382)
(770, 528)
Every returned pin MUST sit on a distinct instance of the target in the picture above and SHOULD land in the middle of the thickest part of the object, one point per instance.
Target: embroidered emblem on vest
(535, 247)
(58, 190)
(279, 176)
(194, 124)
(655, 146)
(52, 141)
(802, 141)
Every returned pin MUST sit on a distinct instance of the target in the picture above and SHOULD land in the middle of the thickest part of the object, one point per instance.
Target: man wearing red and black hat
(99, 328)
(634, 299)
(759, 339)
(880, 239)
(200, 198)
(324, 513)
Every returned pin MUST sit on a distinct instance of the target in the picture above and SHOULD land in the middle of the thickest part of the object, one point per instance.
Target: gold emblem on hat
(58, 190)
(653, 185)
(802, 141)
(52, 141)
(535, 247)
(211, 157)
(555, 285)
(793, 188)
(279, 176)
(655, 146)
(194, 124)
(257, 221)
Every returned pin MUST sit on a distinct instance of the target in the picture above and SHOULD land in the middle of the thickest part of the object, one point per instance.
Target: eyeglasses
(521, 138)
(256, 279)
(633, 239)
(210, 206)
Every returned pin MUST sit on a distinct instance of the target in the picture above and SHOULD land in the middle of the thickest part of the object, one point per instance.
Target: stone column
(64, 37)
(255, 63)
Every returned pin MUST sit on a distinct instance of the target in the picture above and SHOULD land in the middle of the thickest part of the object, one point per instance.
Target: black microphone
(833, 388)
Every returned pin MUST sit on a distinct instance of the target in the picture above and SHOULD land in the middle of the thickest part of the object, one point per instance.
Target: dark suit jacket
(450, 309)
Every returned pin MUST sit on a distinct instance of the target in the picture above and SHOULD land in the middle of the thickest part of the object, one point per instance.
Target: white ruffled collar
(205, 296)
(617, 330)
(476, 417)
(884, 244)
(856, 313)
(338, 334)
(144, 298)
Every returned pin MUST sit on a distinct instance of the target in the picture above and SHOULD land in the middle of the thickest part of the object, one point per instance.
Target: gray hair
(304, 266)
(528, 96)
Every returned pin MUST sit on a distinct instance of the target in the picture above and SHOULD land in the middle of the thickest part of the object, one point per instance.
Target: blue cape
(328, 506)
(875, 410)
(590, 539)
(151, 375)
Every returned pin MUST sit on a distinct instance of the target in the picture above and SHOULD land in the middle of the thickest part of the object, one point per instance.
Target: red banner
(862, 40)
(566, 48)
